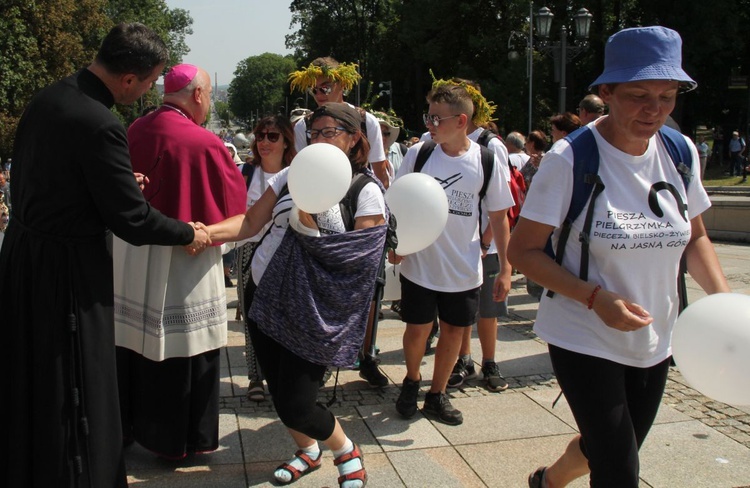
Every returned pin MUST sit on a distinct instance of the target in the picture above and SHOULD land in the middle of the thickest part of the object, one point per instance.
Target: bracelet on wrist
(592, 297)
(484, 246)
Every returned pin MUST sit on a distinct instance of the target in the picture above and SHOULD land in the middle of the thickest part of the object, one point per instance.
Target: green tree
(172, 25)
(42, 41)
(46, 40)
(223, 113)
(260, 84)
(348, 30)
(402, 40)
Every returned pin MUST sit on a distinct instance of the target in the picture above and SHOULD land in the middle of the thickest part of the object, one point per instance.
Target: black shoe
(461, 372)
(495, 381)
(438, 405)
(396, 307)
(535, 478)
(406, 404)
(434, 333)
(228, 282)
(369, 371)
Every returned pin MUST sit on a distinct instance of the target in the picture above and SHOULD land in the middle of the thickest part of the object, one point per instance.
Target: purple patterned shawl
(314, 297)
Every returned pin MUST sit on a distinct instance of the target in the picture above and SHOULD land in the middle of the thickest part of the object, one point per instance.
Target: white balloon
(241, 141)
(319, 177)
(392, 288)
(421, 209)
(711, 347)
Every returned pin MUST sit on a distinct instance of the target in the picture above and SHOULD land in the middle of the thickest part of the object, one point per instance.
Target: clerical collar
(178, 110)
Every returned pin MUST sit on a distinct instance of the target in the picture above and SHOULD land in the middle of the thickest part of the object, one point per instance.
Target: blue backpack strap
(679, 152)
(677, 147)
(586, 181)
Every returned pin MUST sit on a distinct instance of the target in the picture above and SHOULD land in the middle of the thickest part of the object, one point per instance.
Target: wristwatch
(485, 247)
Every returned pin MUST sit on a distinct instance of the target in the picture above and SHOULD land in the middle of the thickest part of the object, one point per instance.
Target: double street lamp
(386, 88)
(561, 51)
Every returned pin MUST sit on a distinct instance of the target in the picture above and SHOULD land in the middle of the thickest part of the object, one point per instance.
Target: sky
(228, 31)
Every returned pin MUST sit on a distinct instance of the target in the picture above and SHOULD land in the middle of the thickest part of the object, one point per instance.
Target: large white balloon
(711, 347)
(421, 209)
(319, 177)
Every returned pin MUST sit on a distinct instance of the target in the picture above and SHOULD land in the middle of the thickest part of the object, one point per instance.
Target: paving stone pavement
(695, 442)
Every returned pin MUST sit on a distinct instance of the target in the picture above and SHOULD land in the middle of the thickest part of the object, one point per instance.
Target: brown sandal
(312, 465)
(360, 474)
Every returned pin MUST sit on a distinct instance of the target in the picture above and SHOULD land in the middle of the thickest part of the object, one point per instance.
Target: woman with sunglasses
(313, 278)
(273, 148)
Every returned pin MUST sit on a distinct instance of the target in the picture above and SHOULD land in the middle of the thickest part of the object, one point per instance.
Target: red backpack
(517, 183)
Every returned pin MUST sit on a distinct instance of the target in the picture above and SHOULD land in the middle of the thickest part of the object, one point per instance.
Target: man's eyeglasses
(325, 90)
(327, 132)
(272, 136)
(434, 120)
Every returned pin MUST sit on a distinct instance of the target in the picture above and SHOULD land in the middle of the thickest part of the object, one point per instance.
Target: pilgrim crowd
(113, 280)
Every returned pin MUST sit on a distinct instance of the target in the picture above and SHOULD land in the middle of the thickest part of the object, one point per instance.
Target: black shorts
(488, 307)
(419, 305)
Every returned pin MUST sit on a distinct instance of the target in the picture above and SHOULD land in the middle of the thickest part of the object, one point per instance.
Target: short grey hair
(516, 139)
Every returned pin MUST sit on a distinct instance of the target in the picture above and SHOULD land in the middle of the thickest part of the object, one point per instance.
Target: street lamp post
(561, 51)
(386, 88)
(513, 55)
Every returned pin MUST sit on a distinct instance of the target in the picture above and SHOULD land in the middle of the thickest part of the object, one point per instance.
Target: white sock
(284, 476)
(350, 466)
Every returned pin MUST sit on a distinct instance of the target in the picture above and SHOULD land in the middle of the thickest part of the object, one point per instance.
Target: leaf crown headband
(483, 109)
(344, 74)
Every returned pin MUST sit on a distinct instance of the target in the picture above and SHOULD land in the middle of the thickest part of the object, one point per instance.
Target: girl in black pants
(309, 296)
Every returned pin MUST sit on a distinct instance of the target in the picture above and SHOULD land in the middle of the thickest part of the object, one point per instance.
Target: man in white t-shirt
(515, 143)
(489, 310)
(330, 87)
(446, 275)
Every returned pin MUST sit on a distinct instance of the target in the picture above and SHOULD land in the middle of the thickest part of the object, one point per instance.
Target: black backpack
(348, 207)
(488, 161)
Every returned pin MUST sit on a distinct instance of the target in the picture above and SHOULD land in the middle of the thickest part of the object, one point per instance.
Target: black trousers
(614, 406)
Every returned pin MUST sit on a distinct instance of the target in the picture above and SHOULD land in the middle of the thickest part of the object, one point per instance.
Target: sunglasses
(434, 120)
(272, 136)
(325, 90)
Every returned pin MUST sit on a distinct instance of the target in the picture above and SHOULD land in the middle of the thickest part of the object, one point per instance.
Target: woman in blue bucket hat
(610, 308)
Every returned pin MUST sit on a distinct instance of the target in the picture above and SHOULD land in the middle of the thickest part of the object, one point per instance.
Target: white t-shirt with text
(634, 252)
(453, 262)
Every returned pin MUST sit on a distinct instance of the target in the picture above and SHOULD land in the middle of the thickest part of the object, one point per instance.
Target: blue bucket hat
(644, 53)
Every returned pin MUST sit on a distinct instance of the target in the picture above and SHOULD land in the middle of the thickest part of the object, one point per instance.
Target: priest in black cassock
(59, 420)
